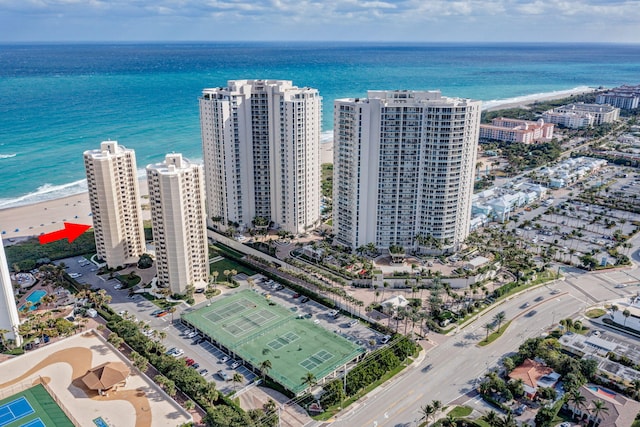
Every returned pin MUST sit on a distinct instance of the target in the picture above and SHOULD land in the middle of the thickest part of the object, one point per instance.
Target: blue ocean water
(57, 100)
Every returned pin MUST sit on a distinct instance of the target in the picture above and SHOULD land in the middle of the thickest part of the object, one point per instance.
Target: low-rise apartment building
(513, 130)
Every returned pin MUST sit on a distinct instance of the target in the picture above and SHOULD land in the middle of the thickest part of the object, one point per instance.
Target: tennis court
(33, 407)
(255, 330)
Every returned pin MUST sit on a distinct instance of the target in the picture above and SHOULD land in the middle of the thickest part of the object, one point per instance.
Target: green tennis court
(33, 407)
(246, 324)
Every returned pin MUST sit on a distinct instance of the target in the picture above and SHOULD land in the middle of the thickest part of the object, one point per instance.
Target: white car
(235, 364)
(192, 334)
(178, 352)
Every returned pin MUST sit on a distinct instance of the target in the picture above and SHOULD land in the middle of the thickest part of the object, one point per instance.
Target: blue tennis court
(34, 423)
(14, 410)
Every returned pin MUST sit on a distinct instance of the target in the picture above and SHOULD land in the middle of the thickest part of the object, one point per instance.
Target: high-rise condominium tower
(403, 169)
(115, 203)
(9, 319)
(176, 192)
(260, 140)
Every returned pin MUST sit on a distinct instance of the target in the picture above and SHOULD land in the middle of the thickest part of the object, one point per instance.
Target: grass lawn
(461, 411)
(494, 336)
(227, 264)
(595, 313)
(162, 303)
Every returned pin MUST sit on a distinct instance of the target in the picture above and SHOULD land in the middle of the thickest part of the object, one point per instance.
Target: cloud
(332, 19)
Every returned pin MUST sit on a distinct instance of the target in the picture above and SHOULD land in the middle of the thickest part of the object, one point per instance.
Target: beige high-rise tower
(115, 203)
(261, 145)
(404, 164)
(176, 193)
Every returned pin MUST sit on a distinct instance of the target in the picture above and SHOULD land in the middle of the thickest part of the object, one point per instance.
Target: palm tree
(226, 274)
(599, 407)
(426, 411)
(309, 379)
(265, 366)
(270, 406)
(489, 328)
(449, 421)
(236, 379)
(614, 308)
(189, 405)
(499, 318)
(508, 421)
(215, 275)
(491, 418)
(626, 313)
(577, 401)
(437, 406)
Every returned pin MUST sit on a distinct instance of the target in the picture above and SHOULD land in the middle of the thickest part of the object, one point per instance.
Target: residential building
(513, 130)
(624, 97)
(260, 140)
(571, 119)
(602, 113)
(115, 203)
(177, 196)
(404, 165)
(534, 375)
(9, 320)
(620, 411)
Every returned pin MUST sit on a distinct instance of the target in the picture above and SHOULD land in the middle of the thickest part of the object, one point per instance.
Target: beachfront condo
(115, 203)
(404, 166)
(9, 319)
(178, 217)
(260, 141)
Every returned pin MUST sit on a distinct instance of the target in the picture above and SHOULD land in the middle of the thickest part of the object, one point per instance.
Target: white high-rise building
(176, 193)
(9, 319)
(404, 166)
(261, 142)
(115, 203)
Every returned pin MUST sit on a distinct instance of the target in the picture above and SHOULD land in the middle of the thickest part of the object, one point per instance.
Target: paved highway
(451, 369)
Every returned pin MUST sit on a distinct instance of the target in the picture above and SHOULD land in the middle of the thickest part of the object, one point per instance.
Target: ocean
(58, 100)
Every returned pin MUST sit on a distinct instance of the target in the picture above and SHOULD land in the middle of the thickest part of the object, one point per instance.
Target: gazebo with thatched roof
(106, 376)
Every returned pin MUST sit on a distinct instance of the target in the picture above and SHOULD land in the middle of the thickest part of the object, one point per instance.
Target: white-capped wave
(535, 96)
(326, 136)
(46, 192)
(8, 156)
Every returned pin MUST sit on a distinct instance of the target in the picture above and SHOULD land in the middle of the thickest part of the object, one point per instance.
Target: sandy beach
(48, 216)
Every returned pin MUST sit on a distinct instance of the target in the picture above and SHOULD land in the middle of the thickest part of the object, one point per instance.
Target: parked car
(353, 323)
(224, 358)
(170, 351)
(304, 299)
(235, 364)
(295, 296)
(162, 313)
(156, 312)
(179, 352)
(192, 334)
(204, 372)
(223, 375)
(200, 340)
(195, 365)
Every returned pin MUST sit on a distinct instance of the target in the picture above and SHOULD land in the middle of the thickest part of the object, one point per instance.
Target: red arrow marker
(71, 232)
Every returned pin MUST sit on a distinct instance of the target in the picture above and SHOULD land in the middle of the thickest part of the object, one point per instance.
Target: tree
(139, 361)
(309, 379)
(237, 379)
(509, 364)
(626, 313)
(491, 418)
(577, 401)
(544, 417)
(499, 318)
(508, 421)
(265, 366)
(614, 308)
(269, 406)
(115, 340)
(426, 411)
(189, 405)
(215, 275)
(489, 328)
(599, 407)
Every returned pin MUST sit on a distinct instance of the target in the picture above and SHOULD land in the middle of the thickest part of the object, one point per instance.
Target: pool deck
(140, 403)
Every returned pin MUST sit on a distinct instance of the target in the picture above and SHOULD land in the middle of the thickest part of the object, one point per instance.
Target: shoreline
(46, 216)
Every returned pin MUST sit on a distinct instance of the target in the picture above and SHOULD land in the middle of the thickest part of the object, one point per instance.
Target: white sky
(319, 20)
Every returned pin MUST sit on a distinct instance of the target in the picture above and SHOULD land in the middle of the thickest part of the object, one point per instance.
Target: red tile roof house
(534, 375)
(620, 412)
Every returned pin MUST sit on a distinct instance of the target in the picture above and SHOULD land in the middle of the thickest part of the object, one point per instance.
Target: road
(451, 369)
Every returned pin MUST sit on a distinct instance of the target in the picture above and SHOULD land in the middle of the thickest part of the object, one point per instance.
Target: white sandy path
(28, 219)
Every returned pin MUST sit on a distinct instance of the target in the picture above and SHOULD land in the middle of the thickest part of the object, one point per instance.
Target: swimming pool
(34, 298)
(100, 422)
